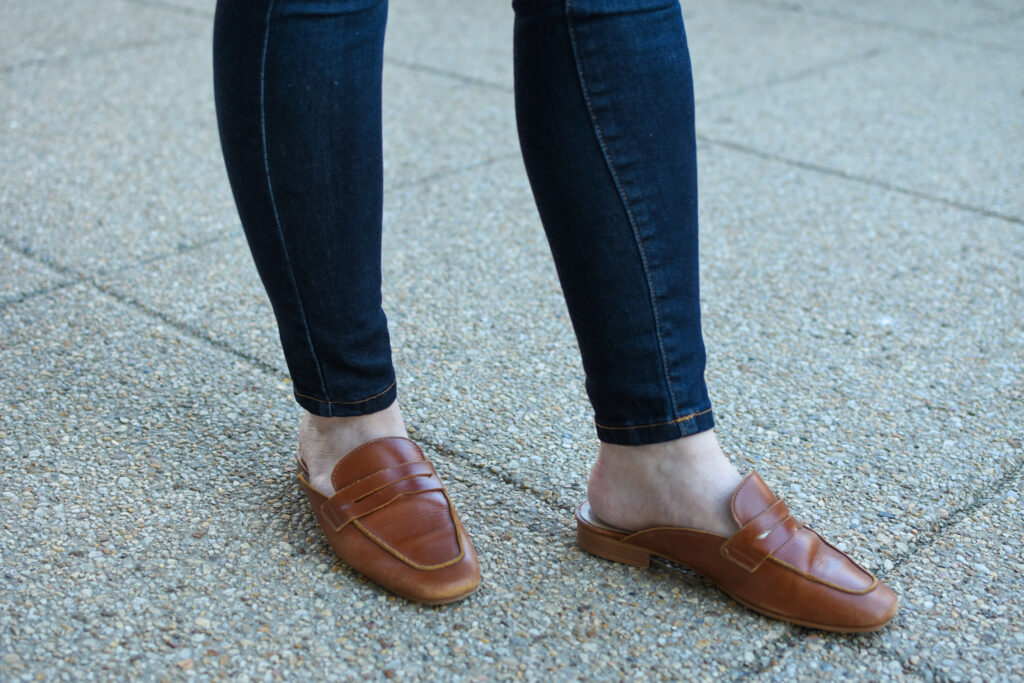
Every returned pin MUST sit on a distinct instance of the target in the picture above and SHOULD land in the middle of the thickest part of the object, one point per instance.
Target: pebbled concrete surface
(862, 240)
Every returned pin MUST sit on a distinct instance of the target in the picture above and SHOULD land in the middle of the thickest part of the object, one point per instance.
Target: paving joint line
(74, 276)
(222, 235)
(197, 335)
(494, 472)
(938, 530)
(54, 267)
(865, 180)
(6, 303)
(902, 28)
(90, 54)
(190, 331)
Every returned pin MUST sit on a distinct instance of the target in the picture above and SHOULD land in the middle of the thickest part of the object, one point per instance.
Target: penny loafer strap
(760, 537)
(379, 490)
(361, 488)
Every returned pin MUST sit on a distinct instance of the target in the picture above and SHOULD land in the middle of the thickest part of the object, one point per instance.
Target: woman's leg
(298, 91)
(298, 94)
(604, 103)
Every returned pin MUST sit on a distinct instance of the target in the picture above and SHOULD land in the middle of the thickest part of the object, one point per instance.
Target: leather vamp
(810, 554)
(805, 550)
(420, 525)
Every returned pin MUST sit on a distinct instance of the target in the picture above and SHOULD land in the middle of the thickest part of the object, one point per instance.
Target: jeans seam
(273, 204)
(349, 403)
(626, 205)
(685, 418)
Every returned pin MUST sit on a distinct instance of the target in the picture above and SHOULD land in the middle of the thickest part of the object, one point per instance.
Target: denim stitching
(599, 134)
(273, 201)
(348, 403)
(685, 418)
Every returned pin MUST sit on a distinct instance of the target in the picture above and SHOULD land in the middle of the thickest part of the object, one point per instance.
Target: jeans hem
(373, 404)
(693, 423)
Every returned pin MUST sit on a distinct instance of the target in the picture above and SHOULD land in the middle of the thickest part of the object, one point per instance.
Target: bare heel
(610, 549)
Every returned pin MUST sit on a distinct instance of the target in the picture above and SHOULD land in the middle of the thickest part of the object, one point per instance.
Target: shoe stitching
(407, 560)
(829, 584)
(401, 466)
(392, 551)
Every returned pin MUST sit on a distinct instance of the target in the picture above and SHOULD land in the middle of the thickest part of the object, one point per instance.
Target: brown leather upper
(773, 564)
(390, 519)
(773, 533)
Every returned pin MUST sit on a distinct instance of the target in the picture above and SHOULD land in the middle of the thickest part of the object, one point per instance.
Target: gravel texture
(751, 50)
(21, 277)
(862, 295)
(948, 18)
(1001, 35)
(922, 114)
(423, 40)
(112, 158)
(67, 31)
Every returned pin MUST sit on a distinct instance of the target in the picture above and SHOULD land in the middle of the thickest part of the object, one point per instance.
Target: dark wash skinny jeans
(604, 104)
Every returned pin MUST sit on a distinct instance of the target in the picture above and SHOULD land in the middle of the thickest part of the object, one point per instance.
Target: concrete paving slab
(154, 529)
(1006, 34)
(960, 614)
(469, 38)
(77, 29)
(741, 46)
(200, 8)
(128, 168)
(435, 125)
(728, 46)
(112, 159)
(864, 356)
(438, 249)
(934, 117)
(473, 298)
(213, 292)
(840, 348)
(21, 276)
(952, 17)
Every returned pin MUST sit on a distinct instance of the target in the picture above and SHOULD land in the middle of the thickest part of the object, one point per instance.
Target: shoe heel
(610, 549)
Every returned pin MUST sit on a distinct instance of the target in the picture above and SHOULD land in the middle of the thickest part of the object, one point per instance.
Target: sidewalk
(863, 240)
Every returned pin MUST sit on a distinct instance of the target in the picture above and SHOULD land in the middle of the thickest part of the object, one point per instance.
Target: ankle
(687, 482)
(323, 441)
(387, 422)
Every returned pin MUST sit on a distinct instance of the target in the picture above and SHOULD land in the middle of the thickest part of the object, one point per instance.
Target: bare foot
(687, 483)
(323, 441)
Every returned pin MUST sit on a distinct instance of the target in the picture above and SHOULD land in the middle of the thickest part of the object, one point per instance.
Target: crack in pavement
(864, 180)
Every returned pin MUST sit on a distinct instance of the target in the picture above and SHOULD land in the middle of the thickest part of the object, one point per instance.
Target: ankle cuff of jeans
(657, 432)
(371, 404)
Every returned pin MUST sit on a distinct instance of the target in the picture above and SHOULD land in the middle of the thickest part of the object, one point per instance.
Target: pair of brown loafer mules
(390, 519)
